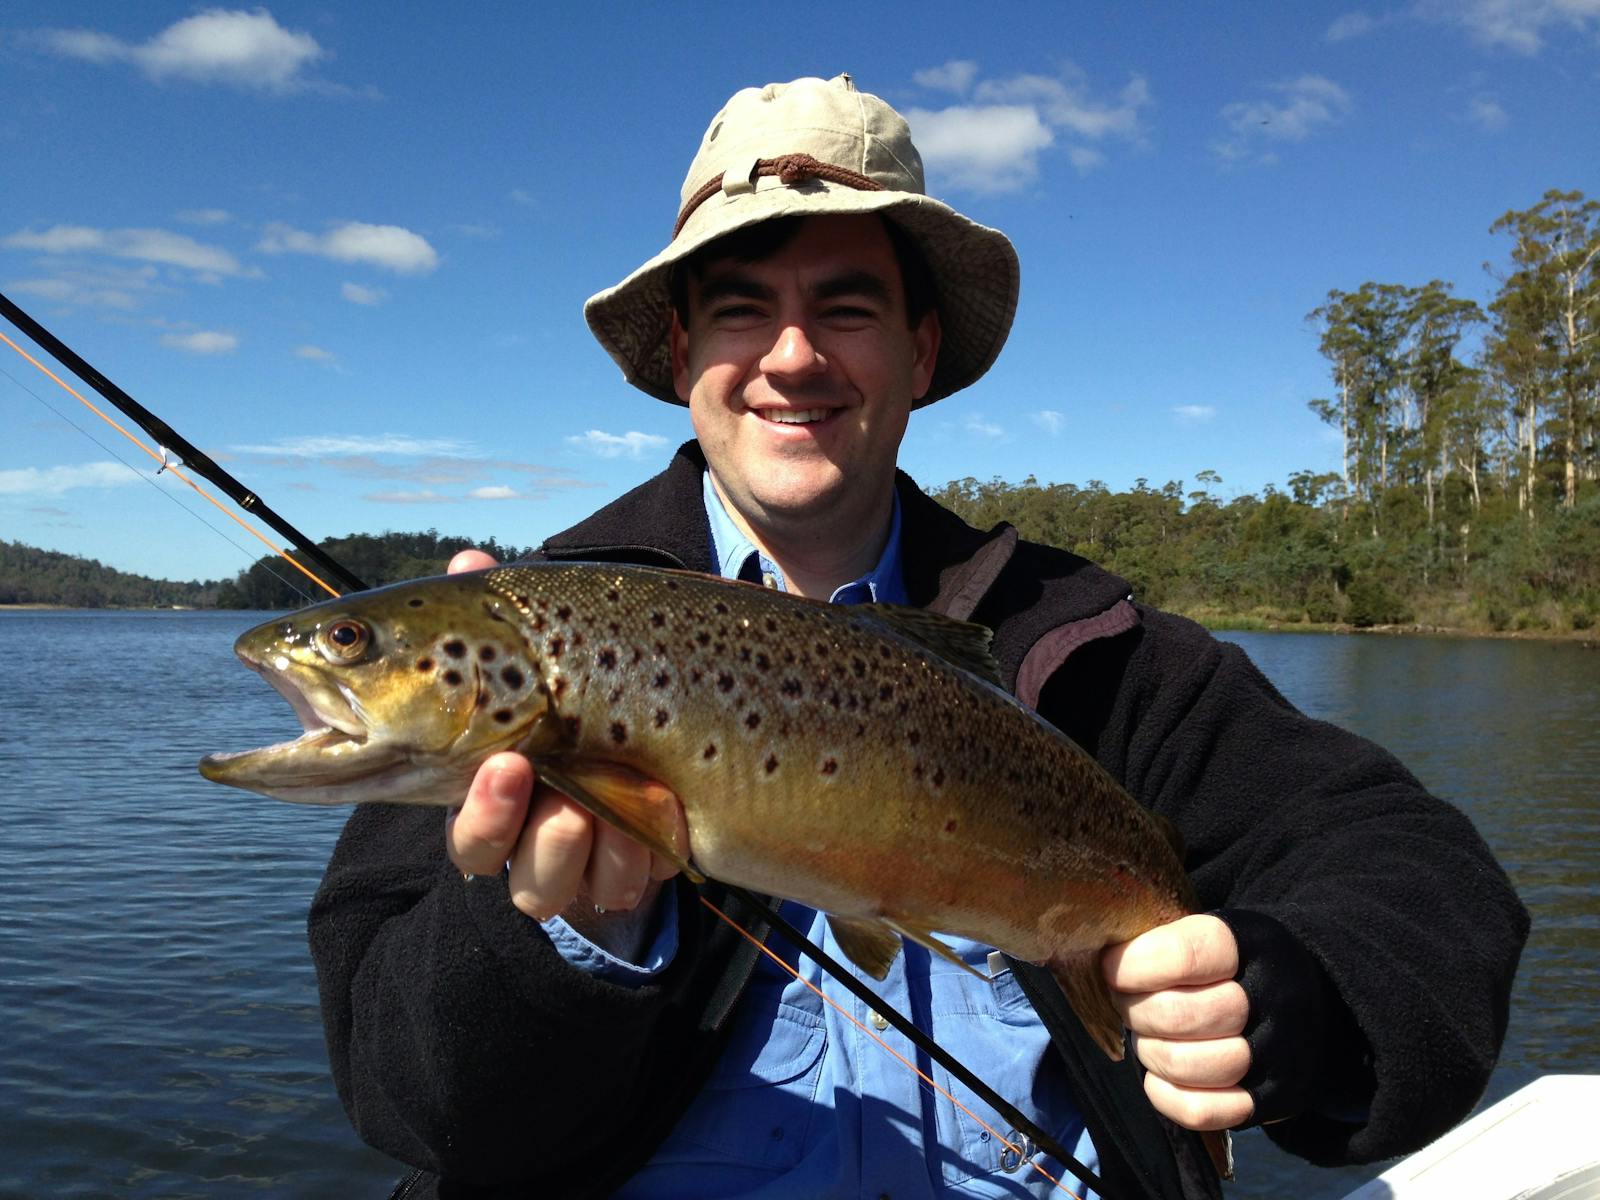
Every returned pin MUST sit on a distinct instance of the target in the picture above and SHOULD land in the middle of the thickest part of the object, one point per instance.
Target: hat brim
(974, 268)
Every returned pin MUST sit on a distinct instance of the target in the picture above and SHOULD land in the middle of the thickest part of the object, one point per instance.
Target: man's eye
(734, 312)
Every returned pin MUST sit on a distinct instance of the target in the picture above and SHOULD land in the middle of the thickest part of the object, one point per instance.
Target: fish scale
(860, 759)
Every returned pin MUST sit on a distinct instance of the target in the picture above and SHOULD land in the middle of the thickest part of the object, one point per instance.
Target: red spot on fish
(950, 825)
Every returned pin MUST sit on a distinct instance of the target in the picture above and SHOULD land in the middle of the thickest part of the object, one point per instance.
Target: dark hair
(756, 242)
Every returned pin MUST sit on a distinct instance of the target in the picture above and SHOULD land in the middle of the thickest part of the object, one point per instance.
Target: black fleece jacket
(1378, 936)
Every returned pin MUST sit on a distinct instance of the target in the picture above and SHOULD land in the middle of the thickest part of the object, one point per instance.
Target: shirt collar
(733, 551)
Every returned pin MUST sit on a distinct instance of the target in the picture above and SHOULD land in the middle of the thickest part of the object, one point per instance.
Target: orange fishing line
(759, 945)
(171, 469)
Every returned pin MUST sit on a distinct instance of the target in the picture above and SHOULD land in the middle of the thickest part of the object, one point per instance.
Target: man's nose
(793, 354)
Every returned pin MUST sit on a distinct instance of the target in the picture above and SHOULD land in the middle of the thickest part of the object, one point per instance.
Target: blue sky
(344, 248)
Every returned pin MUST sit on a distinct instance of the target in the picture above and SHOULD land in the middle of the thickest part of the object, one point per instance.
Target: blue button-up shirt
(803, 1105)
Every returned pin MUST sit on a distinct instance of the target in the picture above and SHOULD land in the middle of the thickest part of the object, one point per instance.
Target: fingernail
(505, 787)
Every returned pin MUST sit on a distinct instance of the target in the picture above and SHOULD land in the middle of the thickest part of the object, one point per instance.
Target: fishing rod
(202, 465)
(169, 439)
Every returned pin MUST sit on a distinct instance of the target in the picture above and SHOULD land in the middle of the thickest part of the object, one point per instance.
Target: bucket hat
(816, 147)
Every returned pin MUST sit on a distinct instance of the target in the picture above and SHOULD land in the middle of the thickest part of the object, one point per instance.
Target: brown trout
(860, 759)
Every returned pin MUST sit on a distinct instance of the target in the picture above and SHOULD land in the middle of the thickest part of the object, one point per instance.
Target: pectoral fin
(636, 804)
(925, 939)
(869, 943)
(1089, 995)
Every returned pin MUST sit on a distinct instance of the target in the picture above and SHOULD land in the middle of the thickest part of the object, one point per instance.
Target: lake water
(159, 1033)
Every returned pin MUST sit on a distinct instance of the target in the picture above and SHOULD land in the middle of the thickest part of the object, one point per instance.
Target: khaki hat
(816, 147)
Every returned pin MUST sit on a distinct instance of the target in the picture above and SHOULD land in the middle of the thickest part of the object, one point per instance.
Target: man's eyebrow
(733, 285)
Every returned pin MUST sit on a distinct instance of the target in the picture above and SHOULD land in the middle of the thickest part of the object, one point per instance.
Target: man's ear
(678, 339)
(925, 340)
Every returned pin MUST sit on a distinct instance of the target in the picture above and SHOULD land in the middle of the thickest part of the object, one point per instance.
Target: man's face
(800, 372)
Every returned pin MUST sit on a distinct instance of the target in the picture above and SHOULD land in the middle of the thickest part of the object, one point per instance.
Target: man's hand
(1175, 989)
(560, 859)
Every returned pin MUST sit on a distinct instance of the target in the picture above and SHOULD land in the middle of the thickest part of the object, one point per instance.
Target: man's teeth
(788, 416)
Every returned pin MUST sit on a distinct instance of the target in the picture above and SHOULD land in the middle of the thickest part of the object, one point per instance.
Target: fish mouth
(336, 746)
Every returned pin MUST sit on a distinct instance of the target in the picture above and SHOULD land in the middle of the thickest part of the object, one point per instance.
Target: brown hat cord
(790, 170)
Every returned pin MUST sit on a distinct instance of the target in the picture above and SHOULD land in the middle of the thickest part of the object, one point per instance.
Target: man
(530, 1004)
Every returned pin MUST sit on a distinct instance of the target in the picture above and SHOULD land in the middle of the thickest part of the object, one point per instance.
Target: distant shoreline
(1589, 639)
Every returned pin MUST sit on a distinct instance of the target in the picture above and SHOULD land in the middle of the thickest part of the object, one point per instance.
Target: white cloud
(427, 496)
(357, 294)
(1049, 420)
(1304, 106)
(1486, 113)
(993, 144)
(1351, 24)
(632, 444)
(240, 49)
(524, 197)
(53, 481)
(993, 148)
(380, 443)
(979, 427)
(1517, 25)
(144, 245)
(313, 353)
(389, 246)
(204, 216)
(202, 341)
(1194, 412)
(493, 492)
(954, 76)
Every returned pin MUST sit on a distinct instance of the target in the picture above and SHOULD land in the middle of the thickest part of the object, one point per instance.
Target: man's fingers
(619, 868)
(547, 869)
(1217, 1010)
(1209, 1063)
(1199, 1108)
(471, 560)
(1191, 950)
(481, 834)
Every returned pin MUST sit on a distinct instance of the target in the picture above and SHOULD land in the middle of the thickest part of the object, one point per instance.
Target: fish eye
(345, 640)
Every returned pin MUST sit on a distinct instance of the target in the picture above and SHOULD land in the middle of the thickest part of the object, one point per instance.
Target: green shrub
(1369, 601)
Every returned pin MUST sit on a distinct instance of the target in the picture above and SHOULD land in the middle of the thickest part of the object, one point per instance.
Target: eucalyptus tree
(1546, 341)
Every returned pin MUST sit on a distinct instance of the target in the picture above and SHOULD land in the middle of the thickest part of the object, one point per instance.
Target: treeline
(375, 559)
(29, 575)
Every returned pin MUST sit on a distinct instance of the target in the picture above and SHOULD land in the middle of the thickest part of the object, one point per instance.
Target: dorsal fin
(964, 644)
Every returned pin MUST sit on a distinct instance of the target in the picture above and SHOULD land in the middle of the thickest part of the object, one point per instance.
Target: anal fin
(925, 939)
(869, 943)
(1089, 995)
(636, 804)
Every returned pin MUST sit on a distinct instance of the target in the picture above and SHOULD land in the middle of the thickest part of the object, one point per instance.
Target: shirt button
(879, 1021)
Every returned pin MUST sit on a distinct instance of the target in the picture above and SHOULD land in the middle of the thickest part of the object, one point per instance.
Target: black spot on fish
(792, 687)
(561, 686)
(607, 658)
(424, 664)
(884, 652)
(788, 657)
(744, 653)
(771, 764)
(950, 825)
(724, 681)
(752, 719)
(722, 609)
(914, 736)
(672, 585)
(702, 637)
(822, 649)
(885, 692)
(538, 622)
(616, 628)
(772, 625)
(661, 680)
(709, 752)
(616, 694)
(573, 724)
(859, 667)
(555, 646)
(916, 770)
(563, 612)
(453, 678)
(416, 602)
(762, 662)
(455, 648)
(503, 715)
(577, 638)
(619, 732)
(611, 595)
(829, 767)
(486, 653)
(695, 674)
(511, 677)
(657, 620)
(662, 717)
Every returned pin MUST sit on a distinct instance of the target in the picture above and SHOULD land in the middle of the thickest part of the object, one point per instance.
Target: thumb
(470, 560)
